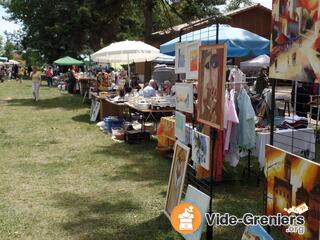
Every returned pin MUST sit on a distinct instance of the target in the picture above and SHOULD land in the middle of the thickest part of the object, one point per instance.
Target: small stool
(286, 106)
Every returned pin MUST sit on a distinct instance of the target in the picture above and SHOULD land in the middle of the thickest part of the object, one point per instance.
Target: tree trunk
(147, 34)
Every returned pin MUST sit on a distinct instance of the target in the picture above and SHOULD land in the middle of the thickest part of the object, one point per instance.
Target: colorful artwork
(255, 232)
(211, 85)
(201, 149)
(292, 181)
(184, 97)
(193, 60)
(202, 201)
(180, 126)
(177, 175)
(181, 57)
(295, 40)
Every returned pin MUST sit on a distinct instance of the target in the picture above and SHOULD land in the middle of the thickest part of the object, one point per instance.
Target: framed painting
(293, 187)
(184, 97)
(177, 176)
(180, 126)
(181, 57)
(201, 149)
(255, 232)
(192, 63)
(295, 40)
(212, 65)
(201, 201)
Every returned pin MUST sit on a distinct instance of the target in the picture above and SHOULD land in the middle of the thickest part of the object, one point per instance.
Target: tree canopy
(57, 27)
(236, 4)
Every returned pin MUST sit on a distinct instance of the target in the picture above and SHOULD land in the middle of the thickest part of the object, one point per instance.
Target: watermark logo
(297, 228)
(186, 218)
(302, 208)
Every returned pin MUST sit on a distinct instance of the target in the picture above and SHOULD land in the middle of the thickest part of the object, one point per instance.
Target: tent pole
(217, 33)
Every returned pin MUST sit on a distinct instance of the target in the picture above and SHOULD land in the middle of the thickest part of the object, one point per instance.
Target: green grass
(61, 178)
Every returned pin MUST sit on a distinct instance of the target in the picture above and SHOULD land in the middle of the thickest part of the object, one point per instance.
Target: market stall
(233, 122)
(108, 107)
(68, 61)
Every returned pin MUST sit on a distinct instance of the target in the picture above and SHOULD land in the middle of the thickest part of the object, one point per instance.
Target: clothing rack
(247, 172)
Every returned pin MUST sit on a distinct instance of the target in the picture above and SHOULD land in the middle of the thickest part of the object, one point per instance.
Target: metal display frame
(291, 145)
(207, 185)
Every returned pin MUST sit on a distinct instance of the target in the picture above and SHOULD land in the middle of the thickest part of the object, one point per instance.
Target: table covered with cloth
(291, 140)
(166, 133)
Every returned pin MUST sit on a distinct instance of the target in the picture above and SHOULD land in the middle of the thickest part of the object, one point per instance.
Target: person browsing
(167, 88)
(150, 90)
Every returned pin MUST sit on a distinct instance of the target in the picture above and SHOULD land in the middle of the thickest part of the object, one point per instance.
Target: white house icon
(186, 219)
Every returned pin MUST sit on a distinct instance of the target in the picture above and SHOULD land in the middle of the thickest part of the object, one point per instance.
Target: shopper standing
(49, 75)
(36, 82)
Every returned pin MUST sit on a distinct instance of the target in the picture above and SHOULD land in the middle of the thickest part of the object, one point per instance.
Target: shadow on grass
(141, 163)
(83, 118)
(90, 218)
(65, 101)
(46, 169)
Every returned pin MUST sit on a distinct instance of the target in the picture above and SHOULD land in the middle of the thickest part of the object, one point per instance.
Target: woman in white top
(36, 82)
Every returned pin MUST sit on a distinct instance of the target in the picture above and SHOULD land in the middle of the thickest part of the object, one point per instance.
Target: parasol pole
(128, 67)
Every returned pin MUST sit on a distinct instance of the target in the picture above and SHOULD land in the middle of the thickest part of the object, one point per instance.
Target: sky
(6, 25)
(11, 26)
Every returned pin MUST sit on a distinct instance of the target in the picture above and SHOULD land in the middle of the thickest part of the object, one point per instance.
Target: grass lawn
(61, 178)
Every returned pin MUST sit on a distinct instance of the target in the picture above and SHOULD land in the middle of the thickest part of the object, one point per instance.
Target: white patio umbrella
(126, 52)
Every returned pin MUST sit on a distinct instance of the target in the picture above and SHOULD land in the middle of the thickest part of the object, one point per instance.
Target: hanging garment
(232, 156)
(236, 75)
(230, 117)
(246, 127)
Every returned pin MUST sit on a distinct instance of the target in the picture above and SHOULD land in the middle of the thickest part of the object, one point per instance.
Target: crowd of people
(14, 72)
(68, 77)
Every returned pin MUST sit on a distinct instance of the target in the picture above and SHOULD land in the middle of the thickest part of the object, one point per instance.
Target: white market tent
(260, 61)
(164, 58)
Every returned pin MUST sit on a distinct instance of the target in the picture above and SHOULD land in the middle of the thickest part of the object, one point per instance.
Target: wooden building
(255, 18)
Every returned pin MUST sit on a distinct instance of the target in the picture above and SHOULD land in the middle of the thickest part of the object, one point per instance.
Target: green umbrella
(68, 61)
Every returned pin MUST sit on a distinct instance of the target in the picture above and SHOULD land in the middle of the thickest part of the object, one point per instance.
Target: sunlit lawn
(61, 178)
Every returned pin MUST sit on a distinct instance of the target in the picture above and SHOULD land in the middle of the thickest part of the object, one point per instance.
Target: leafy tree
(32, 57)
(57, 27)
(9, 47)
(236, 4)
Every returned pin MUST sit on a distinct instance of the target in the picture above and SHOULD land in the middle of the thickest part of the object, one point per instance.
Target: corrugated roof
(247, 8)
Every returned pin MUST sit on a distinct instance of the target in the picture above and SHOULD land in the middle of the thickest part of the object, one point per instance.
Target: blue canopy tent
(240, 42)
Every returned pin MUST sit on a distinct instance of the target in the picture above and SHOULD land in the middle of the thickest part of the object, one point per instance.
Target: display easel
(204, 185)
(207, 185)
